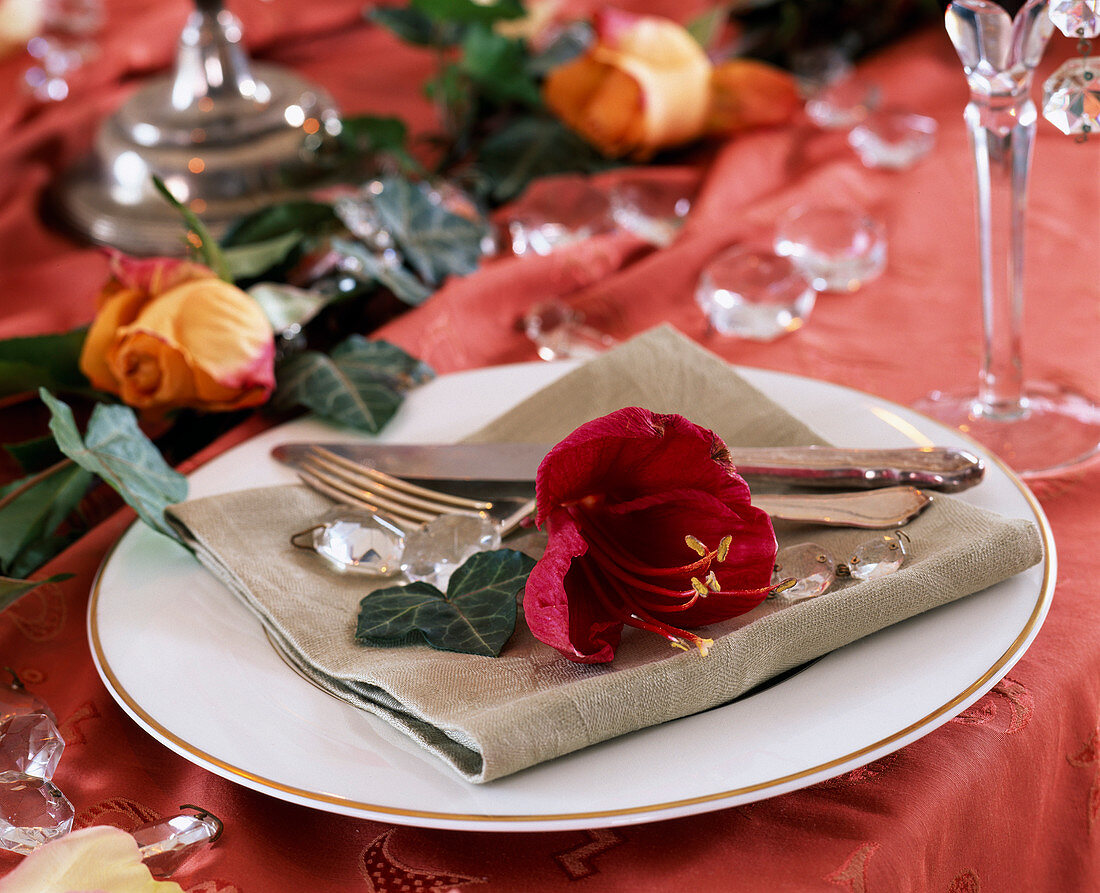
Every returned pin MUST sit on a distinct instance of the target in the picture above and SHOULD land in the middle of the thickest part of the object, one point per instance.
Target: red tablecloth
(1004, 797)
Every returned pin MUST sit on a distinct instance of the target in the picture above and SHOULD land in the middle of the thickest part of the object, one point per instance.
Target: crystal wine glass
(1034, 426)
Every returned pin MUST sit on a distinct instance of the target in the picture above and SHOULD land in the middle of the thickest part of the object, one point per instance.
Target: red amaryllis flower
(649, 525)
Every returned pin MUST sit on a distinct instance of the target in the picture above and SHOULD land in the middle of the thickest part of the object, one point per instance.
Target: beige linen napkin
(488, 717)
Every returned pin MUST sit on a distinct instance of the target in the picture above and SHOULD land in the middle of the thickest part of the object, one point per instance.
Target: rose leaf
(436, 242)
(251, 260)
(361, 384)
(34, 510)
(476, 616)
(49, 361)
(116, 449)
(13, 590)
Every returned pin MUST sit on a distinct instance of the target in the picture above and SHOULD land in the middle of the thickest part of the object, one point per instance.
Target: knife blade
(512, 466)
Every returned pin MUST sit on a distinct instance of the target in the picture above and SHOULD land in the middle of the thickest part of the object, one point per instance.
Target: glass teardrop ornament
(810, 565)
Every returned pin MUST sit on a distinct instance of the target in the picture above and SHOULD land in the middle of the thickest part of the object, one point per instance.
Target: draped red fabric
(1004, 797)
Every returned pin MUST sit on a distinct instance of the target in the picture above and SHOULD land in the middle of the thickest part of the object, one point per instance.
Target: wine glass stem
(1002, 134)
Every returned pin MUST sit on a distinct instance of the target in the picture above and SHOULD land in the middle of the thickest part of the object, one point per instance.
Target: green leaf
(470, 11)
(528, 148)
(375, 135)
(208, 246)
(411, 25)
(707, 26)
(476, 616)
(42, 361)
(498, 65)
(38, 511)
(397, 279)
(435, 242)
(360, 384)
(34, 454)
(115, 449)
(286, 306)
(303, 217)
(250, 261)
(13, 590)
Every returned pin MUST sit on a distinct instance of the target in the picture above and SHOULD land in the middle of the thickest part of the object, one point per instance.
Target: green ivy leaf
(569, 44)
(405, 286)
(470, 11)
(13, 590)
(435, 242)
(476, 616)
(286, 306)
(360, 384)
(35, 513)
(42, 361)
(114, 448)
(498, 65)
(364, 135)
(303, 217)
(251, 260)
(412, 26)
(531, 147)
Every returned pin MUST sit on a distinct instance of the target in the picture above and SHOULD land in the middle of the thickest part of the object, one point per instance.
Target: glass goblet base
(1056, 430)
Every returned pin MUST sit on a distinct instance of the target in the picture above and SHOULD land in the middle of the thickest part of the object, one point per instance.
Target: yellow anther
(678, 643)
(789, 583)
(724, 547)
(699, 587)
(695, 545)
(712, 582)
(704, 646)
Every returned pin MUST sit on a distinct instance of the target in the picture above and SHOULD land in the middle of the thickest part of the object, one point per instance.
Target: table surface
(1004, 797)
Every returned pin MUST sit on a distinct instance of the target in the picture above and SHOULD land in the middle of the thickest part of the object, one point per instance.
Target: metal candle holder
(226, 135)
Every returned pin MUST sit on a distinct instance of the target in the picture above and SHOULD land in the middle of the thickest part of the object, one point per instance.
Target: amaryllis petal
(648, 525)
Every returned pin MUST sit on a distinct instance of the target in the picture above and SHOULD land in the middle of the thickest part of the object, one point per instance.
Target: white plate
(193, 667)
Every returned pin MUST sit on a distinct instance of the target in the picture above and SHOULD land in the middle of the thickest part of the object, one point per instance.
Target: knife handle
(935, 468)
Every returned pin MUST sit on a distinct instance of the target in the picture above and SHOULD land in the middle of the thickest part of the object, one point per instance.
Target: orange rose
(644, 85)
(171, 334)
(746, 93)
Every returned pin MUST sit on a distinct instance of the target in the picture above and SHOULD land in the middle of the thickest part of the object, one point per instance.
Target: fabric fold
(490, 717)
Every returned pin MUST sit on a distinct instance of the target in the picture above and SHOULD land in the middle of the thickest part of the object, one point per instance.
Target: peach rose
(100, 858)
(642, 86)
(170, 334)
(746, 93)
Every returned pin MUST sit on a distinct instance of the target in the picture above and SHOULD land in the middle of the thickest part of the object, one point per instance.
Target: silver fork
(363, 487)
(354, 483)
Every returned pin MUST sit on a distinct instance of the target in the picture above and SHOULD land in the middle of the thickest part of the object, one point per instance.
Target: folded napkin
(488, 717)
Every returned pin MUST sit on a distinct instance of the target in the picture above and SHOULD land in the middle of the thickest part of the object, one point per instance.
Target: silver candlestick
(225, 134)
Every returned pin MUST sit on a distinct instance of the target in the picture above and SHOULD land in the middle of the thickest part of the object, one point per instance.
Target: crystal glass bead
(877, 557)
(555, 212)
(754, 294)
(15, 700)
(1076, 18)
(810, 565)
(560, 332)
(435, 550)
(651, 211)
(32, 812)
(837, 249)
(893, 139)
(843, 104)
(166, 843)
(360, 542)
(1071, 96)
(31, 744)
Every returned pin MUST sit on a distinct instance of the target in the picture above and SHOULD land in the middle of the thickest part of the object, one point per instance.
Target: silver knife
(513, 465)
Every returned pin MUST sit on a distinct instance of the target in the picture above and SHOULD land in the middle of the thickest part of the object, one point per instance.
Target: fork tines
(350, 482)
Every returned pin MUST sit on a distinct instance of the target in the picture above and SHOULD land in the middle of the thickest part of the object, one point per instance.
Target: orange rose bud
(746, 93)
(171, 335)
(641, 87)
